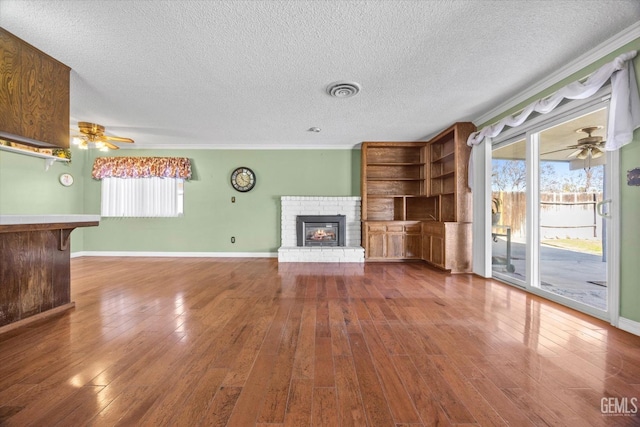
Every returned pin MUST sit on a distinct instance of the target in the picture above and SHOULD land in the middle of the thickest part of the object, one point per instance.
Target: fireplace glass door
(321, 230)
(321, 234)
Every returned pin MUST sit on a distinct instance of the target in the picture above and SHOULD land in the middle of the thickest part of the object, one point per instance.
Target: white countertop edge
(46, 219)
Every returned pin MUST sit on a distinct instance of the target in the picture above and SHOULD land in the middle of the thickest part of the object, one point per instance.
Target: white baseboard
(630, 326)
(176, 254)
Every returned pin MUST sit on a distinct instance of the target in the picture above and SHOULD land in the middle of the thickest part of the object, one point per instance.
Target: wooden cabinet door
(376, 245)
(413, 246)
(395, 245)
(426, 247)
(45, 98)
(413, 241)
(34, 108)
(10, 100)
(437, 251)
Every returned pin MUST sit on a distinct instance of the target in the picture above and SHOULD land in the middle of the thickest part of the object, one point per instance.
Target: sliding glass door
(572, 234)
(551, 209)
(508, 211)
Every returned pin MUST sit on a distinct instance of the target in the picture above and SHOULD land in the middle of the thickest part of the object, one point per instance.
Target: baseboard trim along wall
(630, 326)
(177, 254)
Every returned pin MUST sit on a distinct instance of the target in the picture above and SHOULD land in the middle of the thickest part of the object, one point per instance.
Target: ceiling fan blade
(111, 146)
(574, 154)
(555, 151)
(117, 139)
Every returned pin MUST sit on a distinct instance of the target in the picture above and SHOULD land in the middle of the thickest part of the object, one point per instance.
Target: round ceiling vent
(343, 89)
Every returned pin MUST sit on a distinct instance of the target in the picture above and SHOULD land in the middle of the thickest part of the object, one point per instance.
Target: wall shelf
(48, 159)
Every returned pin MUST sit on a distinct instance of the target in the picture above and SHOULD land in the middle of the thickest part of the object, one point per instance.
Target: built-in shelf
(443, 175)
(415, 200)
(442, 157)
(48, 159)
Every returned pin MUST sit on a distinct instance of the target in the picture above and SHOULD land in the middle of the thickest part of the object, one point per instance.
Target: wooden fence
(562, 215)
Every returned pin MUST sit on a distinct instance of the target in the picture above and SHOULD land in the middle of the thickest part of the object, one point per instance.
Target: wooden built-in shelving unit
(406, 184)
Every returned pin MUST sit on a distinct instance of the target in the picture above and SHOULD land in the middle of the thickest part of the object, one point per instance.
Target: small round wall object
(66, 179)
(243, 179)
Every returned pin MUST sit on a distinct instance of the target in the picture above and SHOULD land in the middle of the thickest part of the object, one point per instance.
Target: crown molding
(241, 147)
(616, 42)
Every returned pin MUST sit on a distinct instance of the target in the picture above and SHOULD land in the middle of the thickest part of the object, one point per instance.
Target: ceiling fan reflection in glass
(589, 147)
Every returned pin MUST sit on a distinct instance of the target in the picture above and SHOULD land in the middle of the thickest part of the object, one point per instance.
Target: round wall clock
(66, 179)
(243, 179)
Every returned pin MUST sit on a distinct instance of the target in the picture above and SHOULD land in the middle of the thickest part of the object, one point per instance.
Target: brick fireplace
(294, 206)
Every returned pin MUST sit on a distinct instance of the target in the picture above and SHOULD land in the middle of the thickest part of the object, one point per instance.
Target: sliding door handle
(600, 208)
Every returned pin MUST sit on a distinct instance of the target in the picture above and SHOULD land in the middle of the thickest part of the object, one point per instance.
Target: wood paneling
(248, 342)
(10, 99)
(447, 245)
(34, 269)
(34, 95)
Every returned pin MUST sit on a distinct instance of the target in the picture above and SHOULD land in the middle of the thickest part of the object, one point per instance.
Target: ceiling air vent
(343, 89)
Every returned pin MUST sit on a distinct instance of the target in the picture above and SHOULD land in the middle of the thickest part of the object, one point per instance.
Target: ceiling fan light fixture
(92, 134)
(584, 153)
(595, 153)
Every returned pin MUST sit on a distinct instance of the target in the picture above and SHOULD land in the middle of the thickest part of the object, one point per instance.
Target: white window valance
(624, 109)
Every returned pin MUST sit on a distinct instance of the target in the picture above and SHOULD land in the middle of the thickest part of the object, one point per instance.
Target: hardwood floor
(248, 342)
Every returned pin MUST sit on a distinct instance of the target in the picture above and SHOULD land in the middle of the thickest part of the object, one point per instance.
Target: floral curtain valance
(141, 167)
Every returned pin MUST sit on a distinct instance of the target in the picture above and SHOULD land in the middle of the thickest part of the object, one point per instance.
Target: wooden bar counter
(35, 280)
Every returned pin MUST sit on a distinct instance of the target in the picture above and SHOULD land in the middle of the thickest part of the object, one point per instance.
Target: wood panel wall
(34, 95)
(34, 274)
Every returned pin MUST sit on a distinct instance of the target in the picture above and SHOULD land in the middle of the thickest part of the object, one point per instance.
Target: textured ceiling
(253, 74)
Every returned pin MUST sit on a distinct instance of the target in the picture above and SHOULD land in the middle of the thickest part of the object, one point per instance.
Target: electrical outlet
(233, 239)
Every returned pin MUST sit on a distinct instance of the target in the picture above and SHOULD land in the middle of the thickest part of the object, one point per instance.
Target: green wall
(630, 196)
(630, 233)
(210, 219)
(27, 188)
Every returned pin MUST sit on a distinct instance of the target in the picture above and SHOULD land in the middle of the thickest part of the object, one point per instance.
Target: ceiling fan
(92, 134)
(587, 147)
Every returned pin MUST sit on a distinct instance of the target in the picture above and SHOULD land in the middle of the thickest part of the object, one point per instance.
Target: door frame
(529, 131)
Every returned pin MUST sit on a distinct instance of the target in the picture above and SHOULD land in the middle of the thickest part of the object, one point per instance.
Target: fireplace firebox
(321, 230)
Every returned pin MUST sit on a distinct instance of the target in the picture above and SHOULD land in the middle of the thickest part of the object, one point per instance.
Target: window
(142, 186)
(142, 197)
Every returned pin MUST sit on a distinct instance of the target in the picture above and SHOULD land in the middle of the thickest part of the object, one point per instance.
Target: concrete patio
(572, 274)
